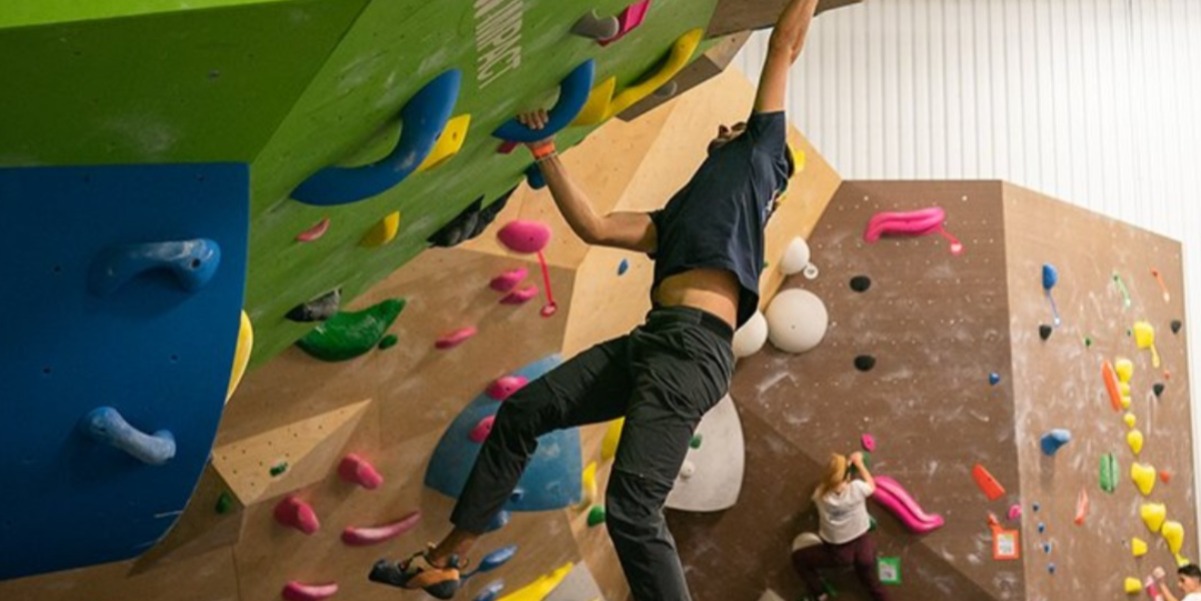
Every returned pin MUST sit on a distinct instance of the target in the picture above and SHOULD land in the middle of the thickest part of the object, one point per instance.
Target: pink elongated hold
(504, 387)
(296, 513)
(893, 497)
(520, 297)
(481, 430)
(629, 20)
(869, 442)
(912, 223)
(373, 535)
(314, 233)
(509, 279)
(299, 591)
(357, 470)
(455, 338)
(524, 236)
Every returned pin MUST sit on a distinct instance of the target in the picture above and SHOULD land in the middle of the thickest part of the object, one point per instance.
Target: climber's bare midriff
(714, 291)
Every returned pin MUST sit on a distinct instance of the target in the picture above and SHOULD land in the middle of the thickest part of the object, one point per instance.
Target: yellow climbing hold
(798, 158)
(1124, 388)
(1124, 368)
(612, 437)
(1130, 420)
(540, 588)
(241, 354)
(1133, 586)
(603, 103)
(1143, 476)
(450, 141)
(1153, 515)
(1138, 547)
(1173, 532)
(383, 232)
(1144, 338)
(1134, 438)
(588, 491)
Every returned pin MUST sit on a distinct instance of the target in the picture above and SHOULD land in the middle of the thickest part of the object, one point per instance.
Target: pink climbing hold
(481, 430)
(629, 19)
(299, 591)
(1015, 512)
(356, 470)
(298, 514)
(509, 279)
(893, 497)
(524, 236)
(315, 232)
(455, 338)
(869, 443)
(362, 537)
(504, 387)
(913, 223)
(520, 297)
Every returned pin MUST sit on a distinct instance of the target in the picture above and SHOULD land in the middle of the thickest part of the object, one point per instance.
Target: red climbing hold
(1081, 507)
(1165, 476)
(504, 387)
(362, 537)
(455, 338)
(520, 297)
(987, 483)
(298, 514)
(481, 430)
(356, 470)
(509, 279)
(315, 232)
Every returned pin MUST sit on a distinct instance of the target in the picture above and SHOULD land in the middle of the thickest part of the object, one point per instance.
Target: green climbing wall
(292, 86)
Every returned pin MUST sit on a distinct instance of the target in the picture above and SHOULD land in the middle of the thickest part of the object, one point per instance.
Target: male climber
(663, 376)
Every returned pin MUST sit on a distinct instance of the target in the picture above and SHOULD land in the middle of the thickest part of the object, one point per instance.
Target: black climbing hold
(861, 283)
(471, 222)
(319, 309)
(1044, 331)
(1158, 389)
(865, 362)
(1176, 325)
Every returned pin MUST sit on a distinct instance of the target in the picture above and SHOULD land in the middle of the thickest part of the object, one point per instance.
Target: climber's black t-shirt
(717, 219)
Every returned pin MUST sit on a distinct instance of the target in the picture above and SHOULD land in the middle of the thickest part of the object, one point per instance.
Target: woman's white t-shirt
(844, 514)
(1192, 597)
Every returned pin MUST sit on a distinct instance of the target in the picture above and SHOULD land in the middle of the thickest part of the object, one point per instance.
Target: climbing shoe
(417, 572)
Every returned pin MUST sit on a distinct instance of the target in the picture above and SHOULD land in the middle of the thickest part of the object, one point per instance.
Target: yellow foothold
(588, 490)
(540, 588)
(1138, 547)
(1124, 388)
(450, 141)
(1125, 401)
(603, 103)
(241, 354)
(597, 107)
(1134, 438)
(1144, 338)
(1133, 586)
(612, 437)
(1173, 532)
(1153, 515)
(1130, 420)
(1143, 476)
(798, 158)
(1182, 561)
(384, 231)
(1125, 369)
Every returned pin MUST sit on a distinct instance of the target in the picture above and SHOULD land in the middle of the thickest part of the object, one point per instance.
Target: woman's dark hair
(1191, 570)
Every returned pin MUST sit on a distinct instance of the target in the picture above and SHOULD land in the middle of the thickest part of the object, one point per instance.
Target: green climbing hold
(347, 335)
(829, 588)
(1088, 341)
(224, 503)
(596, 516)
(1109, 473)
(871, 523)
(388, 342)
(889, 569)
(279, 468)
(696, 441)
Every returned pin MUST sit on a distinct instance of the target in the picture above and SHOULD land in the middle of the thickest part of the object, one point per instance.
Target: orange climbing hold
(1111, 385)
(987, 483)
(1081, 507)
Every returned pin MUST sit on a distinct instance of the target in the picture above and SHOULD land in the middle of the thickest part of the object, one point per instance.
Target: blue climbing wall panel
(552, 478)
(97, 318)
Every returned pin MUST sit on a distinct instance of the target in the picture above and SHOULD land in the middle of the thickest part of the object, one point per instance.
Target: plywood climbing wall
(961, 377)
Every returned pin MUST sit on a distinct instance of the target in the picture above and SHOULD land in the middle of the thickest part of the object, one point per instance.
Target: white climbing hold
(796, 257)
(687, 470)
(797, 321)
(751, 337)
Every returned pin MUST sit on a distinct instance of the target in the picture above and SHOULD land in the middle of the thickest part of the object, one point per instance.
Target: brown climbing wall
(1058, 384)
(740, 15)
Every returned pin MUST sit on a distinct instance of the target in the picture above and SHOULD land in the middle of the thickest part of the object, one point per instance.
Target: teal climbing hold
(1053, 440)
(347, 335)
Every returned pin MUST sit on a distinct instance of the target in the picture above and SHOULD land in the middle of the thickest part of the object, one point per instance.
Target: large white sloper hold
(796, 321)
(751, 337)
(796, 257)
(717, 463)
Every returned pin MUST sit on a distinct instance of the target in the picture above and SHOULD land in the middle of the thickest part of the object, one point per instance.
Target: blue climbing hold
(1035, 506)
(500, 520)
(491, 592)
(1050, 276)
(1042, 527)
(494, 560)
(573, 94)
(1051, 568)
(423, 118)
(191, 262)
(1053, 440)
(106, 426)
(1047, 547)
(994, 378)
(623, 267)
(534, 177)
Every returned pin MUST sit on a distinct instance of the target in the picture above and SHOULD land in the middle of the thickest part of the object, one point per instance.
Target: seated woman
(842, 507)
